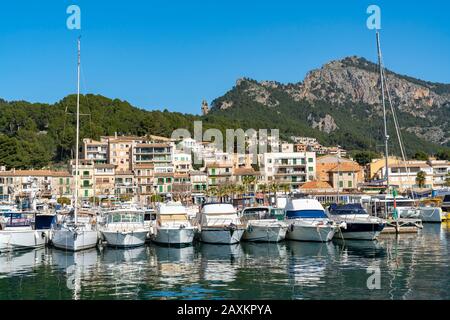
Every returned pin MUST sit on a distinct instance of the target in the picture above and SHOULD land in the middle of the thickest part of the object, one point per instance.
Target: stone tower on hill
(205, 108)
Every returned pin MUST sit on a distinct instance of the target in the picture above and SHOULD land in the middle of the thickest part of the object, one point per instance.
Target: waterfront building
(85, 178)
(155, 153)
(294, 168)
(240, 175)
(182, 162)
(144, 177)
(403, 174)
(95, 150)
(219, 173)
(124, 186)
(339, 172)
(441, 170)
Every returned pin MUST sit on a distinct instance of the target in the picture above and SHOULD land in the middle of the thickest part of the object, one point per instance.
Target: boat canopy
(218, 209)
(292, 214)
(304, 208)
(347, 209)
(171, 209)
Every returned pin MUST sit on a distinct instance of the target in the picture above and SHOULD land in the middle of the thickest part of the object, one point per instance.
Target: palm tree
(420, 179)
(447, 180)
(274, 187)
(286, 188)
(263, 188)
(212, 192)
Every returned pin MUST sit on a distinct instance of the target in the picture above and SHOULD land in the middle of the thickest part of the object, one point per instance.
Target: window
(341, 184)
(310, 169)
(310, 160)
(86, 193)
(85, 183)
(85, 173)
(67, 181)
(160, 189)
(61, 181)
(350, 184)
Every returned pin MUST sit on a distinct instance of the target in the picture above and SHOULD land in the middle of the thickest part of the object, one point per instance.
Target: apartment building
(124, 185)
(18, 185)
(104, 175)
(403, 174)
(182, 162)
(156, 153)
(144, 178)
(339, 172)
(294, 168)
(95, 150)
(85, 178)
(120, 151)
(441, 170)
(240, 175)
(219, 173)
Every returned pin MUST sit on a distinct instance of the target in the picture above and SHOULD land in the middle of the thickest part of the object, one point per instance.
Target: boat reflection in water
(308, 262)
(220, 263)
(123, 271)
(79, 266)
(21, 262)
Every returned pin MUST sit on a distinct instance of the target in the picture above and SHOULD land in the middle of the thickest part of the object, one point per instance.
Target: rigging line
(398, 131)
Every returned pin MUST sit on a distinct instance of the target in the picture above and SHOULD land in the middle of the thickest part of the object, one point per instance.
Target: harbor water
(410, 266)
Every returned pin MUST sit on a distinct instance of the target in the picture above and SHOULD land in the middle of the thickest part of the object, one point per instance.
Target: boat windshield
(125, 218)
(349, 209)
(447, 198)
(16, 220)
(257, 214)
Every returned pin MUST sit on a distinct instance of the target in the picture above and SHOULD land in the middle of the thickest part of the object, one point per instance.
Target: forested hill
(338, 104)
(34, 135)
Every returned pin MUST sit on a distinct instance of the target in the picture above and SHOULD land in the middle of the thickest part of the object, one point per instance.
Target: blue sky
(173, 54)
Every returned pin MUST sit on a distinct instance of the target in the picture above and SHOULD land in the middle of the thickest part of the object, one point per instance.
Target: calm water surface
(411, 267)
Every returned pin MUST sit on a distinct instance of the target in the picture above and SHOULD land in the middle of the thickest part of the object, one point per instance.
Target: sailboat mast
(383, 100)
(78, 131)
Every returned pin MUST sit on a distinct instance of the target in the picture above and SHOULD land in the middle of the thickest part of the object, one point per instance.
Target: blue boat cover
(44, 222)
(292, 214)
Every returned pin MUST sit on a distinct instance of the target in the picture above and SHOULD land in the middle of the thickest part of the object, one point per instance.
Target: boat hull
(221, 235)
(71, 240)
(125, 239)
(311, 233)
(265, 233)
(20, 240)
(360, 231)
(174, 236)
(431, 214)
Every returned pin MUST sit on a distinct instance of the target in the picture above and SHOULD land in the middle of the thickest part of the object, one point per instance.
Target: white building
(293, 168)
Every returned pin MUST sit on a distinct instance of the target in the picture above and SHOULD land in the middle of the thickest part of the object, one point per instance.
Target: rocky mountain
(340, 103)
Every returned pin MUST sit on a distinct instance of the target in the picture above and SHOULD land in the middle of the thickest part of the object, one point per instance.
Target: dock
(402, 225)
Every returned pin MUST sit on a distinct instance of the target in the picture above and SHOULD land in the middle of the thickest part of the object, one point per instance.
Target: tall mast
(383, 100)
(78, 131)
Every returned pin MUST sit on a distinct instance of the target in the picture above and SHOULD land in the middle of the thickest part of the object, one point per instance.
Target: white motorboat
(308, 221)
(263, 225)
(71, 234)
(125, 228)
(220, 224)
(358, 224)
(18, 232)
(173, 226)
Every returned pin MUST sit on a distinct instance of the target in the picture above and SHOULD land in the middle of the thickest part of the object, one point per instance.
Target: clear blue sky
(172, 54)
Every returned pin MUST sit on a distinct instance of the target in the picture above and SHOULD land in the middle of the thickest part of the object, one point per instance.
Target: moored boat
(173, 226)
(18, 232)
(308, 221)
(358, 224)
(263, 225)
(220, 224)
(125, 228)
